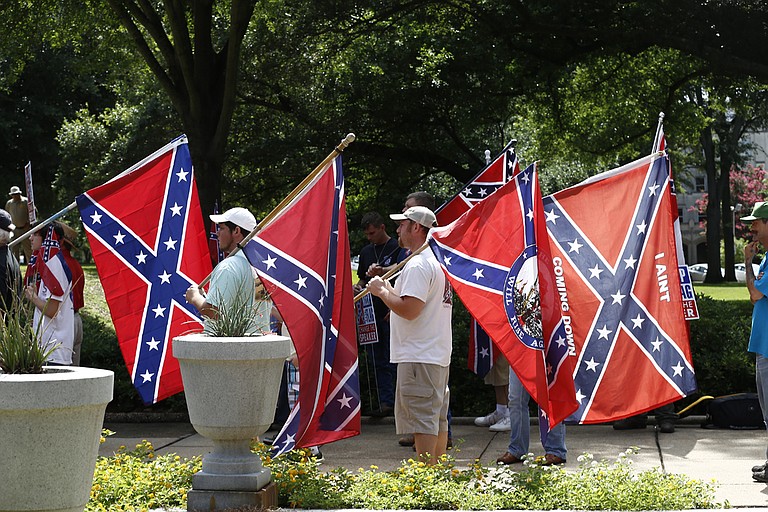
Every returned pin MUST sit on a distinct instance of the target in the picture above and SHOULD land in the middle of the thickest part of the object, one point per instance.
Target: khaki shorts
(499, 374)
(421, 398)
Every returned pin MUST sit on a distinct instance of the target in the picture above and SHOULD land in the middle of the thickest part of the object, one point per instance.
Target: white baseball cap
(237, 216)
(419, 214)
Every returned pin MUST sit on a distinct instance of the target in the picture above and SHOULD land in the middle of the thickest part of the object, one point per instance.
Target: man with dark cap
(10, 275)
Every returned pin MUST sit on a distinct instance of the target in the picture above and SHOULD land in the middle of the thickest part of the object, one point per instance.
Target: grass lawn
(723, 291)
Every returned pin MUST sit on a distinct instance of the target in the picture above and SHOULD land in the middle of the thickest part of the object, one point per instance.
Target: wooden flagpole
(346, 141)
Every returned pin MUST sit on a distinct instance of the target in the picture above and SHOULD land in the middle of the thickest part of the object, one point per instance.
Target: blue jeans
(520, 435)
(761, 378)
(385, 372)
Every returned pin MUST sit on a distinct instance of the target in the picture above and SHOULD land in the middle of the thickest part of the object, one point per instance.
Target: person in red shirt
(78, 286)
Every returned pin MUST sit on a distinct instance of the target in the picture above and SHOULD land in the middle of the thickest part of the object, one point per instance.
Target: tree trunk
(713, 209)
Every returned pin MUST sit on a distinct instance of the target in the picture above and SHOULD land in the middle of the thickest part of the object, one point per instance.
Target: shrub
(140, 480)
(719, 342)
(415, 485)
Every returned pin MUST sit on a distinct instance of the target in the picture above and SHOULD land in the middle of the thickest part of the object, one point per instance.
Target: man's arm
(406, 306)
(749, 253)
(197, 299)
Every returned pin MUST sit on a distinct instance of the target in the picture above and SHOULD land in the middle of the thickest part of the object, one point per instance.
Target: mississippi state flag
(149, 244)
(496, 257)
(482, 353)
(613, 247)
(302, 257)
(38, 269)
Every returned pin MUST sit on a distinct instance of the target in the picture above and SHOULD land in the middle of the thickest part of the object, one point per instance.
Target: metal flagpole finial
(487, 156)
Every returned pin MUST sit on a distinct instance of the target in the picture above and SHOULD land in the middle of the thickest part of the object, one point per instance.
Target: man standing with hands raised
(420, 323)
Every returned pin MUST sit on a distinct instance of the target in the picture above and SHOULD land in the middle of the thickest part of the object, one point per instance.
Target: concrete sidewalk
(723, 455)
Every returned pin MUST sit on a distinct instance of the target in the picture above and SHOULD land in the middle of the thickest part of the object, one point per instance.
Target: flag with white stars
(302, 257)
(146, 232)
(496, 257)
(481, 354)
(613, 245)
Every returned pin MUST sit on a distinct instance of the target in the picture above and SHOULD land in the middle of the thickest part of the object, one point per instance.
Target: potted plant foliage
(231, 373)
(50, 421)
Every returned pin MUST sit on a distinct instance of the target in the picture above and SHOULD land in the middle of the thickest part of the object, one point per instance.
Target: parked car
(699, 272)
(741, 271)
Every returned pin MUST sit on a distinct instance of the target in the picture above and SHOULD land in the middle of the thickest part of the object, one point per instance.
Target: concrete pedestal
(231, 386)
(207, 501)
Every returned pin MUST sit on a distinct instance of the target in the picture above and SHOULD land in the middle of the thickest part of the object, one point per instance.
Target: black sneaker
(761, 467)
(760, 476)
(667, 426)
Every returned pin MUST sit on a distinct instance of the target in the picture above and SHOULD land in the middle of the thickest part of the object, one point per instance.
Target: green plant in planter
(242, 316)
(20, 350)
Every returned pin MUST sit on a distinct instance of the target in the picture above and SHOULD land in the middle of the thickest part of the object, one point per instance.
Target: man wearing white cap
(232, 282)
(17, 207)
(421, 303)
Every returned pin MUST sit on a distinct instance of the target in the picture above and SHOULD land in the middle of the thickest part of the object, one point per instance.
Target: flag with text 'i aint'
(613, 245)
(146, 232)
(302, 257)
(496, 257)
(481, 354)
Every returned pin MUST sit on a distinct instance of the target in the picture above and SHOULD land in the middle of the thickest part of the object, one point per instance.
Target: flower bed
(139, 480)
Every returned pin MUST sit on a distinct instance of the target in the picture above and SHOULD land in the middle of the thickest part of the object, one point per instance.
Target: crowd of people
(411, 356)
(53, 281)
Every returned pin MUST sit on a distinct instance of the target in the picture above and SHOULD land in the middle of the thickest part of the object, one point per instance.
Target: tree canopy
(264, 89)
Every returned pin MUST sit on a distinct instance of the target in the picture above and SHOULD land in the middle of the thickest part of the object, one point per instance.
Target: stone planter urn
(50, 426)
(231, 386)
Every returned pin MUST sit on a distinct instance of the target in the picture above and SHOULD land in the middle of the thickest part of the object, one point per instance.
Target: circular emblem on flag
(521, 299)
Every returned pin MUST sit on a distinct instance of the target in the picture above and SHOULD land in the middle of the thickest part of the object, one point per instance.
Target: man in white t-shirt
(421, 304)
(54, 319)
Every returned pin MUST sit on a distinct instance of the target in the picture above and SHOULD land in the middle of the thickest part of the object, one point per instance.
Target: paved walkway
(723, 455)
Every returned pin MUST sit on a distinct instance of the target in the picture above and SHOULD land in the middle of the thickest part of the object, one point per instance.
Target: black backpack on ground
(740, 411)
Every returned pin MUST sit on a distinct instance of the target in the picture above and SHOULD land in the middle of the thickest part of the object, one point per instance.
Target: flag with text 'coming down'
(302, 257)
(146, 232)
(613, 244)
(496, 257)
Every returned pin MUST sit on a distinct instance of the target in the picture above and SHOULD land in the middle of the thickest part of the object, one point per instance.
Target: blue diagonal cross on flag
(138, 228)
(618, 295)
(496, 256)
(302, 257)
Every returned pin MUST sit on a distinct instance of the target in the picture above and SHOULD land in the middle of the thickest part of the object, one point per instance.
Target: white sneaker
(488, 420)
(503, 425)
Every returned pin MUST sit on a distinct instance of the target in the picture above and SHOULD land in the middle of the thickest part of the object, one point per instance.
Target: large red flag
(149, 244)
(496, 257)
(302, 257)
(613, 245)
(482, 352)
